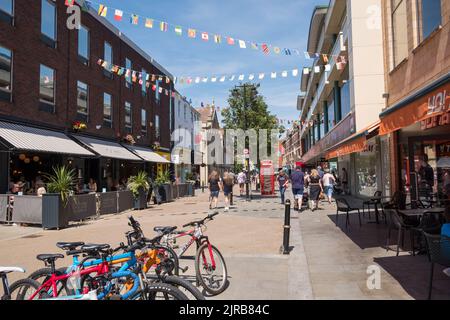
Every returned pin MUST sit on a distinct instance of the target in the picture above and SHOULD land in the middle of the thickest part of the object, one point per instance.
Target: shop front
(421, 127)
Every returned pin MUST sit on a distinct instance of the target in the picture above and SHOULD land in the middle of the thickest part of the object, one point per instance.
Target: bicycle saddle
(5, 270)
(69, 245)
(49, 257)
(94, 247)
(164, 230)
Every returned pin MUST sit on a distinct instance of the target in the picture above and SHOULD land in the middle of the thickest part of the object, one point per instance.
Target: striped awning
(24, 138)
(147, 154)
(107, 149)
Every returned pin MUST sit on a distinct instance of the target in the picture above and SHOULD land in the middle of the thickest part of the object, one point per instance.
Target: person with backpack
(228, 183)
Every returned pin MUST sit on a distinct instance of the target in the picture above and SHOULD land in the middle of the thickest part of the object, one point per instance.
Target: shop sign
(437, 103)
(436, 121)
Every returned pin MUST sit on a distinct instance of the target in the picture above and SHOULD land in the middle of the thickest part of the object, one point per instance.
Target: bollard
(287, 226)
(203, 186)
(231, 198)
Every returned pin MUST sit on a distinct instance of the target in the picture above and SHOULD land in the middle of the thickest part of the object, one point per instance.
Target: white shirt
(328, 179)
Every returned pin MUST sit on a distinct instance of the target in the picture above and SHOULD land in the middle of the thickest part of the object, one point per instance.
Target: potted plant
(79, 126)
(129, 139)
(139, 186)
(55, 209)
(162, 181)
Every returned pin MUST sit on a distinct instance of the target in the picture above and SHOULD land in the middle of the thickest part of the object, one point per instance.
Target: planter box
(165, 191)
(54, 214)
(141, 201)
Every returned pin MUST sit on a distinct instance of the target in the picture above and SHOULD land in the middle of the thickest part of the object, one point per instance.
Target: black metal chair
(396, 221)
(343, 206)
(438, 252)
(429, 223)
(372, 202)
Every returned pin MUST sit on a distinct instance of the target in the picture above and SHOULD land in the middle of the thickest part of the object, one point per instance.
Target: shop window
(47, 88)
(107, 110)
(7, 11)
(366, 172)
(5, 74)
(430, 17)
(128, 66)
(83, 45)
(48, 22)
(82, 101)
(399, 30)
(143, 120)
(128, 118)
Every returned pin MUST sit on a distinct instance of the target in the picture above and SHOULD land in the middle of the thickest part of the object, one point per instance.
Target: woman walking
(228, 183)
(315, 188)
(283, 182)
(328, 182)
(214, 183)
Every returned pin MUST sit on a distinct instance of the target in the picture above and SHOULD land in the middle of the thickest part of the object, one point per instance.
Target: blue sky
(280, 23)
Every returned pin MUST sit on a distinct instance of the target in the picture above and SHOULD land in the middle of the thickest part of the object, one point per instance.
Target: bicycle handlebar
(200, 222)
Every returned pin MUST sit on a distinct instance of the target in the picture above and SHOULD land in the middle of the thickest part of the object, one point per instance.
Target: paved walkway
(326, 262)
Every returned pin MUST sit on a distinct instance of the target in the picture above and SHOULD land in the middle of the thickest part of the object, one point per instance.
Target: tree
(248, 110)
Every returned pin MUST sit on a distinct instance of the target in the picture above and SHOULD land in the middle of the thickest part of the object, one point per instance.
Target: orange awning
(355, 143)
(416, 108)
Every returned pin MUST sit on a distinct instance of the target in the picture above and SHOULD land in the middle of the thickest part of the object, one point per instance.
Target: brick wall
(24, 39)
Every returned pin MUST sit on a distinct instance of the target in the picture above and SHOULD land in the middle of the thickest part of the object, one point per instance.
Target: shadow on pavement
(413, 272)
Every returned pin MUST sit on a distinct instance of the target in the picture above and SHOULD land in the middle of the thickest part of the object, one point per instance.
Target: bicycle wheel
(42, 275)
(170, 263)
(188, 289)
(23, 289)
(212, 278)
(159, 291)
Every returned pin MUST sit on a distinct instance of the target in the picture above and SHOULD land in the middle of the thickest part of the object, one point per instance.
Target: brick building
(49, 79)
(416, 118)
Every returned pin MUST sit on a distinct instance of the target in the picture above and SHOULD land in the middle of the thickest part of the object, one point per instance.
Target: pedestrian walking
(315, 188)
(228, 183)
(328, 182)
(283, 183)
(214, 183)
(241, 181)
(298, 184)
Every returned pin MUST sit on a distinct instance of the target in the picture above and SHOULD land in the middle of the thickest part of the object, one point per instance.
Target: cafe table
(420, 211)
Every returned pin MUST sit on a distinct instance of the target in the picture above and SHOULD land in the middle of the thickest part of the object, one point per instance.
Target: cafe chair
(372, 202)
(343, 206)
(438, 252)
(429, 223)
(396, 221)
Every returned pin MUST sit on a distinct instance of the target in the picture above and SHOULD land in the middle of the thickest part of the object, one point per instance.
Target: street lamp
(247, 156)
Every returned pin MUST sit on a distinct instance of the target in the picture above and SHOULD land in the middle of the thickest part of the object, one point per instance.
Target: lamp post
(247, 156)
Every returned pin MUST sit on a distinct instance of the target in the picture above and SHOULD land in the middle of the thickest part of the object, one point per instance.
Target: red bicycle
(210, 267)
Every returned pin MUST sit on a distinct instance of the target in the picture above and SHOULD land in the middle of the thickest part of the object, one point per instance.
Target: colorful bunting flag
(178, 31)
(230, 41)
(217, 38)
(85, 5)
(232, 77)
(307, 56)
(287, 52)
(205, 36)
(118, 14)
(242, 44)
(317, 69)
(276, 50)
(163, 26)
(69, 3)
(149, 23)
(325, 58)
(261, 76)
(254, 46)
(284, 74)
(273, 75)
(327, 67)
(102, 10)
(306, 71)
(265, 48)
(222, 79)
(134, 19)
(192, 33)
(197, 80)
(241, 77)
(295, 72)
(213, 79)
(251, 77)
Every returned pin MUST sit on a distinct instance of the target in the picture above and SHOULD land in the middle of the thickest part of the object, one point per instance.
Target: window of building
(157, 128)
(83, 45)
(179, 109)
(7, 10)
(107, 110)
(48, 22)
(5, 73)
(322, 126)
(144, 120)
(157, 94)
(47, 85)
(108, 56)
(185, 111)
(128, 66)
(144, 77)
(345, 99)
(82, 101)
(430, 17)
(331, 116)
(128, 117)
(399, 30)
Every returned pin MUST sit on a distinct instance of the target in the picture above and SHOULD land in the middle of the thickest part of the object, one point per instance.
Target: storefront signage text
(438, 103)
(436, 121)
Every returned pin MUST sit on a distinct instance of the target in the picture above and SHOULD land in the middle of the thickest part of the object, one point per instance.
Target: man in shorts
(298, 185)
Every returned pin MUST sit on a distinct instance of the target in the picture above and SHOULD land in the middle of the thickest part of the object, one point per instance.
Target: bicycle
(207, 259)
(18, 289)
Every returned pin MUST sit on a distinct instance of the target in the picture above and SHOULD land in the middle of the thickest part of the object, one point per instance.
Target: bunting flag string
(190, 32)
